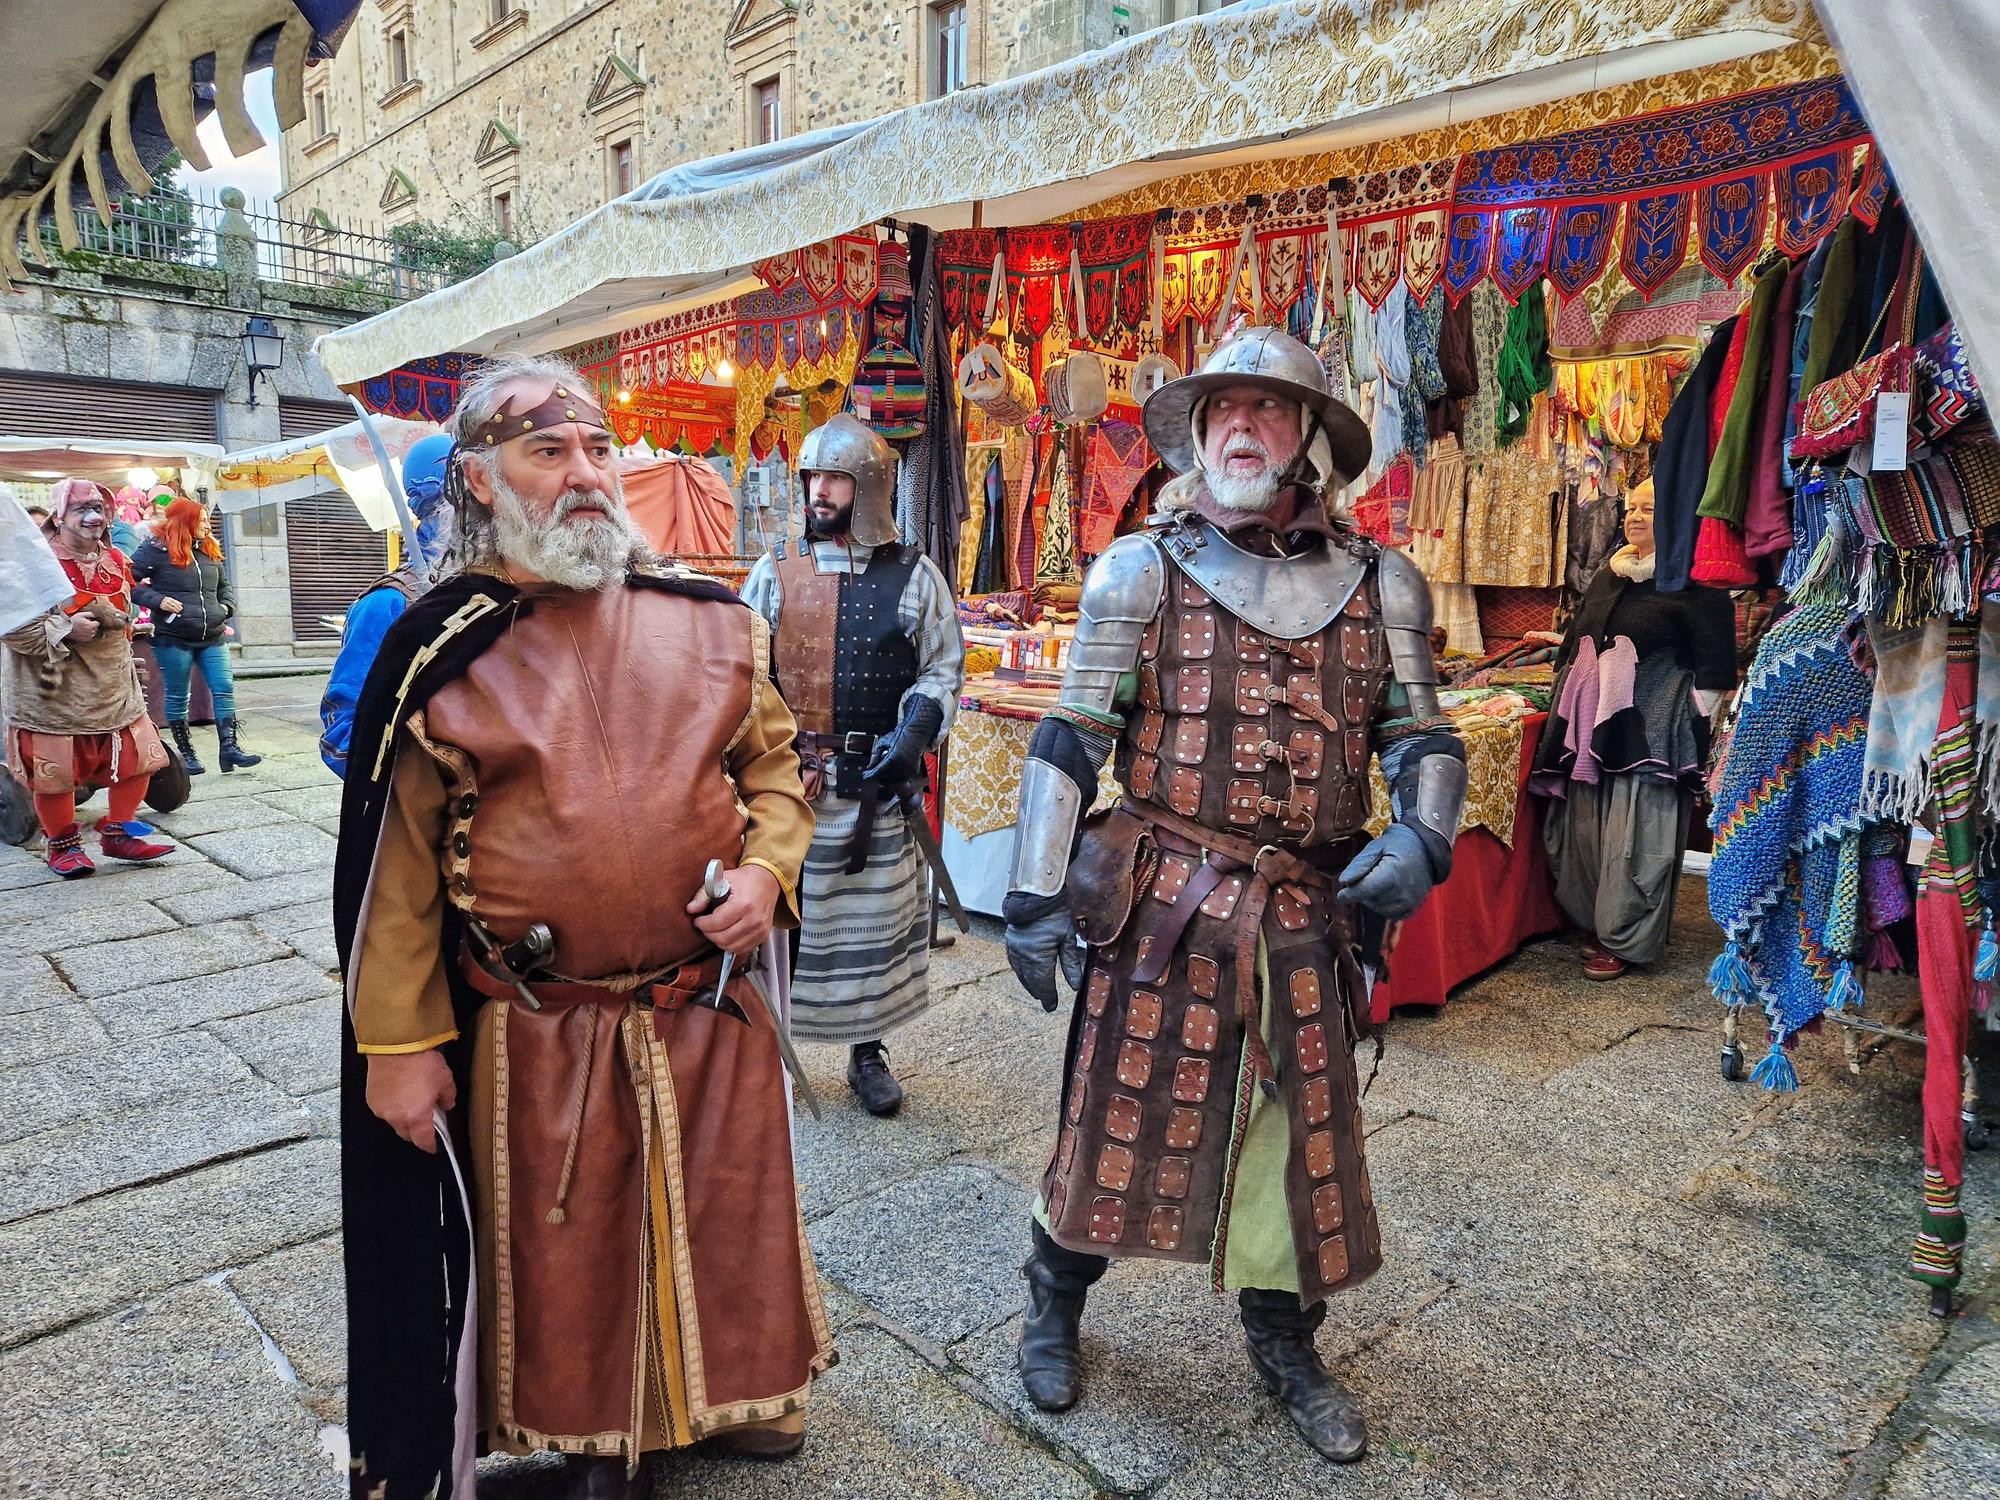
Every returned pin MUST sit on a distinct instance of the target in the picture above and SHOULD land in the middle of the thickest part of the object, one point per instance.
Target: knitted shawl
(1784, 884)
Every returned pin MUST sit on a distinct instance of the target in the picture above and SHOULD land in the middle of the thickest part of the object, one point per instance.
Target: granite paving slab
(243, 898)
(278, 848)
(53, 934)
(297, 1047)
(1952, 1464)
(931, 1254)
(56, 1167)
(285, 921)
(194, 819)
(110, 1079)
(35, 1036)
(113, 968)
(29, 982)
(298, 1296)
(72, 907)
(103, 1254)
(172, 1397)
(214, 997)
(307, 803)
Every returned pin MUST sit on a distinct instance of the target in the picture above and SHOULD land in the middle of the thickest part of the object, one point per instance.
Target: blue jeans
(177, 662)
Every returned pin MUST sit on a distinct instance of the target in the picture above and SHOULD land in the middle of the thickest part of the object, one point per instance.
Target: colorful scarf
(1912, 541)
(1392, 362)
(1784, 883)
(1903, 739)
(1525, 371)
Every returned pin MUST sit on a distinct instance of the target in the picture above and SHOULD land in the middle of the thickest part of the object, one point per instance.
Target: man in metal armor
(1244, 658)
(867, 651)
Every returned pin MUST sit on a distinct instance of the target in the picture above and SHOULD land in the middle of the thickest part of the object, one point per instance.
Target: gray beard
(593, 554)
(1256, 494)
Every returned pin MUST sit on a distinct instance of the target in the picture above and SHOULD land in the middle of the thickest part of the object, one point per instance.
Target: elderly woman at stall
(1637, 677)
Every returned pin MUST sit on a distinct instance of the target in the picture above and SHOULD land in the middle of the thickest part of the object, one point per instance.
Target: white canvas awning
(1245, 84)
(43, 460)
(338, 458)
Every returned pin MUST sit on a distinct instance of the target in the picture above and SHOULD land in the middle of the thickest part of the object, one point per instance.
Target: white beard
(1257, 492)
(592, 554)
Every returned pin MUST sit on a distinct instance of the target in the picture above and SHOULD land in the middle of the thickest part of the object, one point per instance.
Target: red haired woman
(179, 575)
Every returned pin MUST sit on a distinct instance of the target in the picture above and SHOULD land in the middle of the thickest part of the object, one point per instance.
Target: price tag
(1892, 431)
(1921, 840)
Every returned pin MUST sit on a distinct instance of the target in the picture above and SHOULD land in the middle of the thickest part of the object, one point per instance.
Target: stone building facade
(527, 114)
(112, 348)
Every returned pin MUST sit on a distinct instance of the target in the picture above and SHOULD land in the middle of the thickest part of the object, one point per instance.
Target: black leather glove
(898, 757)
(1041, 936)
(1391, 876)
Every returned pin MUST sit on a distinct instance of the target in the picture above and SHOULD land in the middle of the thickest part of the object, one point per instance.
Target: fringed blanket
(1784, 882)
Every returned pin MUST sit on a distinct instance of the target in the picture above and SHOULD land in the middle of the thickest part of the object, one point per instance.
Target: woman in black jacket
(178, 575)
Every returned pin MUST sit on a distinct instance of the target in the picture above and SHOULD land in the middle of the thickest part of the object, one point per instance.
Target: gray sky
(258, 173)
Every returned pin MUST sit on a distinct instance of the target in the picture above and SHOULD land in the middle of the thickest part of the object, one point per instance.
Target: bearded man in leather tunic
(569, 1214)
(1244, 657)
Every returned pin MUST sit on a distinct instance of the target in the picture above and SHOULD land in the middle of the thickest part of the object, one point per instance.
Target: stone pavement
(1609, 1272)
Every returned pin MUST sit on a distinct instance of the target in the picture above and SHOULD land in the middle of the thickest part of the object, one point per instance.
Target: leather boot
(605, 1478)
(229, 755)
(178, 728)
(129, 841)
(66, 856)
(869, 1076)
(1280, 1335)
(1050, 1360)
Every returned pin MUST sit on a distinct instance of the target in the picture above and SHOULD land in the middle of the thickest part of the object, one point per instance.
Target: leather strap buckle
(857, 742)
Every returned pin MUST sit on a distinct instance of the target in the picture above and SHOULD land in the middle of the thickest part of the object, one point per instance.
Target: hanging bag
(1839, 414)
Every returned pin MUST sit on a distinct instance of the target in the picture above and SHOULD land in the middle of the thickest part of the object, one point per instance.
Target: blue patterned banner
(1520, 249)
(1655, 241)
(1729, 220)
(1468, 253)
(1580, 245)
(1811, 196)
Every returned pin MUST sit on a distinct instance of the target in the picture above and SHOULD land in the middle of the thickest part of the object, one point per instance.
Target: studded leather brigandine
(1245, 740)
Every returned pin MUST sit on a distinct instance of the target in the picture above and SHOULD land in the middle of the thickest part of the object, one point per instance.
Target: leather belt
(662, 991)
(816, 749)
(1268, 866)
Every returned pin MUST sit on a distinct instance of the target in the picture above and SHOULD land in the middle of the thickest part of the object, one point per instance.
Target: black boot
(1050, 1361)
(869, 1076)
(231, 757)
(606, 1478)
(1280, 1335)
(178, 728)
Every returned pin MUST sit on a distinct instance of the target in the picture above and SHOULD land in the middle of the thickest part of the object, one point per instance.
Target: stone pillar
(260, 565)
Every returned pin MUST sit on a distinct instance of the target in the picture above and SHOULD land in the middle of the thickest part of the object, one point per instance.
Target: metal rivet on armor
(461, 845)
(468, 804)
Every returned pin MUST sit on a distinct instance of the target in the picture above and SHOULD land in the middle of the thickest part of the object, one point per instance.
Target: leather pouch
(1114, 862)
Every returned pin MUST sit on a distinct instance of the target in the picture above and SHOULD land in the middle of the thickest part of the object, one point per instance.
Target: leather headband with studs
(562, 406)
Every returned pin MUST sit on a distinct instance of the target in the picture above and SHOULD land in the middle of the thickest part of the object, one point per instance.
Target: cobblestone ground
(1610, 1273)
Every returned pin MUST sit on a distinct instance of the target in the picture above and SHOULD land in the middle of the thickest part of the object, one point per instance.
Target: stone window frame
(319, 109)
(394, 202)
(498, 160)
(504, 18)
(920, 27)
(762, 46)
(616, 106)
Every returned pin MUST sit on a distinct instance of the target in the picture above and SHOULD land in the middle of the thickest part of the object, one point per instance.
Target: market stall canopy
(1203, 93)
(340, 457)
(94, 94)
(41, 460)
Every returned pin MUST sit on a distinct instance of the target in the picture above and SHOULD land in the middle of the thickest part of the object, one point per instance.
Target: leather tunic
(543, 766)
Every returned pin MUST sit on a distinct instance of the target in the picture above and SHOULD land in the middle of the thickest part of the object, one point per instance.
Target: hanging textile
(965, 274)
(1055, 554)
(1038, 257)
(1524, 370)
(980, 460)
(1423, 328)
(1116, 258)
(424, 390)
(1394, 225)
(1723, 161)
(1784, 883)
(1392, 365)
(1119, 460)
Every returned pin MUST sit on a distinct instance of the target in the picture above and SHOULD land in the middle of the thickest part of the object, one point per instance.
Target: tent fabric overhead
(1203, 87)
(182, 54)
(1938, 136)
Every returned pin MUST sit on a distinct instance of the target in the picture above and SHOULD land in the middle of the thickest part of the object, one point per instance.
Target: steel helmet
(424, 469)
(846, 445)
(1270, 360)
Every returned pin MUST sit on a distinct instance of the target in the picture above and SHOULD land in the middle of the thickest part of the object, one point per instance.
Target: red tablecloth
(1497, 898)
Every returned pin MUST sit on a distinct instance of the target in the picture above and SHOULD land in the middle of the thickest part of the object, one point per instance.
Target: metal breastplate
(1225, 731)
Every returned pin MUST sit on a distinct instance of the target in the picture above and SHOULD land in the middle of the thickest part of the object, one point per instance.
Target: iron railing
(180, 229)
